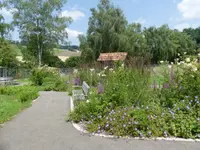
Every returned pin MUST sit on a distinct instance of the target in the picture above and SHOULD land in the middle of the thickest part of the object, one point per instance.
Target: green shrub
(73, 62)
(38, 75)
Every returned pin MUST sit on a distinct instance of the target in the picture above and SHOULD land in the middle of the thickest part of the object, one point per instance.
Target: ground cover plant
(129, 106)
(14, 99)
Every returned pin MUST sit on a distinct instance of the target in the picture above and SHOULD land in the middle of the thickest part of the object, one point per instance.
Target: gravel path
(42, 127)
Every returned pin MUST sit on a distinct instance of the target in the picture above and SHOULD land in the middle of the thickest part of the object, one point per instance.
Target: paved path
(42, 127)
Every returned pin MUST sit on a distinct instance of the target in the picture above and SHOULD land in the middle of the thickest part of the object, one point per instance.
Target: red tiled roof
(112, 56)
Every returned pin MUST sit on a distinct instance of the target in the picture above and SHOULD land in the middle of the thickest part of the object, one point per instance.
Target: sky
(178, 14)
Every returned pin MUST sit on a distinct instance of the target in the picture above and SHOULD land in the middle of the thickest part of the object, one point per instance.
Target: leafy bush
(73, 62)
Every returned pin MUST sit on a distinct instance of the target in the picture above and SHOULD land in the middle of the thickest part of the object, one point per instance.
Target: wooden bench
(81, 94)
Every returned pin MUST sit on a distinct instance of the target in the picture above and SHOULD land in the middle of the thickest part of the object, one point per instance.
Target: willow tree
(164, 43)
(40, 24)
(106, 25)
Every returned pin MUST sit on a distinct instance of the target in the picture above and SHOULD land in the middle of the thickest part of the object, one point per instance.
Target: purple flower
(125, 114)
(110, 119)
(149, 132)
(165, 133)
(178, 108)
(135, 122)
(99, 116)
(171, 112)
(136, 129)
(77, 81)
(141, 135)
(107, 125)
(133, 107)
(99, 131)
(124, 125)
(196, 97)
(166, 85)
(123, 117)
(100, 89)
(174, 105)
(188, 107)
(149, 117)
(186, 96)
(198, 135)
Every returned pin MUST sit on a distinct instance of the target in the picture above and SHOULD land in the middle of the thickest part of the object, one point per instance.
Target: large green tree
(40, 24)
(165, 44)
(106, 25)
(194, 34)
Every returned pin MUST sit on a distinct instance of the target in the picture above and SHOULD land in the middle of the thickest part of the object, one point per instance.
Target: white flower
(178, 54)
(92, 69)
(172, 63)
(123, 65)
(75, 71)
(103, 75)
(98, 74)
(111, 69)
(178, 64)
(169, 66)
(185, 53)
(182, 62)
(187, 59)
(194, 69)
(87, 101)
(161, 61)
(195, 60)
(198, 54)
(105, 67)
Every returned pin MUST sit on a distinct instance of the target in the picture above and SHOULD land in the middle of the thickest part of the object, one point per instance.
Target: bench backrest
(85, 88)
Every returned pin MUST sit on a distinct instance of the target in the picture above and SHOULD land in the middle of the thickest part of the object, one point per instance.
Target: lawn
(9, 106)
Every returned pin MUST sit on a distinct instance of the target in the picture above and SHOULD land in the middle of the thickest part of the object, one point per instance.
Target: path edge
(79, 128)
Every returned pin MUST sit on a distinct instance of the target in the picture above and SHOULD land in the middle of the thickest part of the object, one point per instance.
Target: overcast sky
(177, 14)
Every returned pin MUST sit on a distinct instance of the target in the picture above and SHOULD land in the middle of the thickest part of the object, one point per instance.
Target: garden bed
(128, 107)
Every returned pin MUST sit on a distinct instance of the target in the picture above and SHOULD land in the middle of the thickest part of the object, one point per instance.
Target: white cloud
(73, 33)
(74, 14)
(140, 20)
(182, 26)
(190, 9)
(5, 12)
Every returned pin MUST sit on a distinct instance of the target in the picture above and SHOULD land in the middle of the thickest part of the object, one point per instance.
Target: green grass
(9, 107)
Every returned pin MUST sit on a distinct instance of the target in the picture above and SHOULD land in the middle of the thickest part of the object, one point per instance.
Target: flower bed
(128, 107)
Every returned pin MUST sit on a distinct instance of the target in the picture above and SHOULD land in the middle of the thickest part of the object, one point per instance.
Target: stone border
(79, 128)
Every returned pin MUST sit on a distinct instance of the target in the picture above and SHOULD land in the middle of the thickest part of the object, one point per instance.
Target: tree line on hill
(41, 29)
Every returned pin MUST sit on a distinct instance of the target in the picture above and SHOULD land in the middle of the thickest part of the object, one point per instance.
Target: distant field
(67, 53)
(58, 52)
